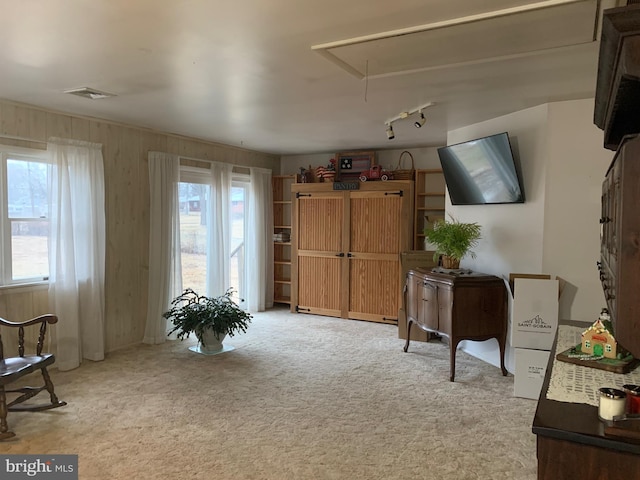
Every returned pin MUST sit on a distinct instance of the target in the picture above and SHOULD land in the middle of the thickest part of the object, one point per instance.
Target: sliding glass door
(194, 198)
(238, 218)
(195, 194)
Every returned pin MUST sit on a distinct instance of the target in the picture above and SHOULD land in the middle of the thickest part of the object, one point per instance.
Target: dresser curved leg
(452, 358)
(502, 343)
(406, 345)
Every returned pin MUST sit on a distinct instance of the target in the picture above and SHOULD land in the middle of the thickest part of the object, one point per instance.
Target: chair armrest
(49, 318)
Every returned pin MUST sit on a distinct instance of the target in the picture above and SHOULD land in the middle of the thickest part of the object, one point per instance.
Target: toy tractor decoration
(376, 172)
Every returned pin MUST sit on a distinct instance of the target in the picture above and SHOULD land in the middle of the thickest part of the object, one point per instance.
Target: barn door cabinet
(346, 248)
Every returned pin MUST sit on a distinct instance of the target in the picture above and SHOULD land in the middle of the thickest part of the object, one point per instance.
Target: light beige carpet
(301, 397)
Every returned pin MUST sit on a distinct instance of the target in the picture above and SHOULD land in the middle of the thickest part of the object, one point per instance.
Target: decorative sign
(351, 165)
(346, 185)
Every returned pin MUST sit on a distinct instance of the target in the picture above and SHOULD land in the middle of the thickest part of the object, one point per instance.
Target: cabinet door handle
(350, 255)
(341, 254)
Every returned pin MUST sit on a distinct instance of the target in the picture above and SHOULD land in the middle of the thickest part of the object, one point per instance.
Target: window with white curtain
(24, 222)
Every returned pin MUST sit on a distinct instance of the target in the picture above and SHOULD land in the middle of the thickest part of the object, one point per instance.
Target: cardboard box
(531, 366)
(534, 312)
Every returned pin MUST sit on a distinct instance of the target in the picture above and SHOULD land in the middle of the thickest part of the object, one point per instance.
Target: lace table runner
(577, 384)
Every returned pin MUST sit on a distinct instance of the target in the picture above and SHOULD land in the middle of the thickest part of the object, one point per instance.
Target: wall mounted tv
(481, 172)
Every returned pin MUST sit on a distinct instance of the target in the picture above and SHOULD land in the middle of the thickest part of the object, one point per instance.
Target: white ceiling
(244, 72)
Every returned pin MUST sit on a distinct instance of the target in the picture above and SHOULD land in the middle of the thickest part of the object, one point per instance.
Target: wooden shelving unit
(281, 185)
(429, 202)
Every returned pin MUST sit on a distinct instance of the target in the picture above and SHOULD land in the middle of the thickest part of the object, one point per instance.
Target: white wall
(576, 168)
(556, 230)
(511, 234)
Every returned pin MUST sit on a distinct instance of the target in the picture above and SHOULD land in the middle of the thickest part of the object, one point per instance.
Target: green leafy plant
(453, 238)
(195, 313)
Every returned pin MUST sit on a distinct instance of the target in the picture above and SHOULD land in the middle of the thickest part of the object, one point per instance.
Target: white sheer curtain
(219, 240)
(165, 268)
(260, 241)
(77, 250)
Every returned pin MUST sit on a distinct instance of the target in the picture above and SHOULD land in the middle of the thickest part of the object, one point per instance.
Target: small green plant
(195, 313)
(452, 238)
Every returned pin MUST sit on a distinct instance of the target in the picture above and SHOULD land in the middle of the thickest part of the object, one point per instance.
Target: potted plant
(210, 318)
(453, 240)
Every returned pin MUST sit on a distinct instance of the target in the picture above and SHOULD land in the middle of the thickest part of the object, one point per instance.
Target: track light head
(390, 134)
(406, 114)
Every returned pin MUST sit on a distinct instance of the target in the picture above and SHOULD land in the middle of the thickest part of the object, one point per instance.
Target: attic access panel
(509, 32)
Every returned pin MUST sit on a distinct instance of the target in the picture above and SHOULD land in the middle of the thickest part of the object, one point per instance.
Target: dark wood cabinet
(571, 440)
(460, 305)
(618, 86)
(617, 104)
(620, 244)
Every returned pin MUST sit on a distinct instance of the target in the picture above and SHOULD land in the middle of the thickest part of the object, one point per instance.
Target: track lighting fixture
(390, 134)
(402, 115)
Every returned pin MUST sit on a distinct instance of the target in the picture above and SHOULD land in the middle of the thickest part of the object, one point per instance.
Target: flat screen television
(481, 171)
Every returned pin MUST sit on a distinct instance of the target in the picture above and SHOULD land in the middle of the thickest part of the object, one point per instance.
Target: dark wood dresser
(460, 304)
(571, 440)
(572, 443)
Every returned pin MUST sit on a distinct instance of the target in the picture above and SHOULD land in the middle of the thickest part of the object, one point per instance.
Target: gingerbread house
(598, 340)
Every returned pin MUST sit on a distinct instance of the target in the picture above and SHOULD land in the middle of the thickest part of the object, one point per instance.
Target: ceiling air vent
(89, 93)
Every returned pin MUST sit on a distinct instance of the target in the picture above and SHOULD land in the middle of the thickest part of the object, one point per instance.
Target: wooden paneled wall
(22, 303)
(125, 150)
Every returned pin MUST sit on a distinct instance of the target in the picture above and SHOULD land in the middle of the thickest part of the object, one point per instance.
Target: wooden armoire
(346, 248)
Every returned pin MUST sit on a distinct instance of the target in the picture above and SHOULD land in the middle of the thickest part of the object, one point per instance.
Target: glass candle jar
(612, 403)
(633, 398)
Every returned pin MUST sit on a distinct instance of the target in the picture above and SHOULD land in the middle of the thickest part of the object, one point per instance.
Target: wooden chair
(13, 368)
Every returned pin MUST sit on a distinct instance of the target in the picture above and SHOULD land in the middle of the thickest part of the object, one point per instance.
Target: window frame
(194, 175)
(8, 152)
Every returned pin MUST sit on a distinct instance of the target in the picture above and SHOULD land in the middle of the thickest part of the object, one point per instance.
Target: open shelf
(281, 185)
(429, 202)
